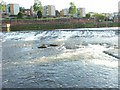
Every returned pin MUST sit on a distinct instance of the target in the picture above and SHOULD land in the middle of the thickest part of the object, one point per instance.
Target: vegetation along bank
(50, 24)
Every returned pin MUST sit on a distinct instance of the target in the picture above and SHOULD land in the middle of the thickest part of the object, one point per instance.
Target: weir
(83, 36)
(70, 58)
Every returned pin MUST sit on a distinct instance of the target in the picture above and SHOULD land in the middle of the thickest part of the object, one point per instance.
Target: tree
(22, 9)
(88, 15)
(39, 14)
(72, 9)
(2, 6)
(20, 15)
(37, 6)
(99, 17)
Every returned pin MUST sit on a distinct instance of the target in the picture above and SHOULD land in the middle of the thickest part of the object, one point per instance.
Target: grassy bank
(60, 26)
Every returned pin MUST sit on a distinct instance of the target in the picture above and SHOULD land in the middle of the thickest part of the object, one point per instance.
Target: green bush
(20, 15)
(39, 14)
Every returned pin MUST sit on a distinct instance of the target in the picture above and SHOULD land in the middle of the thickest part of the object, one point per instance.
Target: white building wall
(44, 11)
(84, 13)
(81, 12)
(66, 12)
(52, 11)
(119, 6)
(16, 9)
(7, 9)
(48, 10)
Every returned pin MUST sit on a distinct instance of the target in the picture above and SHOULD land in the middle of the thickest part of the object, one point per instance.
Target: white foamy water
(87, 32)
(76, 58)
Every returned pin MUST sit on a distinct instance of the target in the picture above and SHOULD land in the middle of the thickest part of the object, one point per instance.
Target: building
(37, 1)
(27, 12)
(115, 16)
(64, 12)
(119, 6)
(81, 12)
(92, 14)
(110, 16)
(48, 11)
(119, 11)
(31, 10)
(12, 9)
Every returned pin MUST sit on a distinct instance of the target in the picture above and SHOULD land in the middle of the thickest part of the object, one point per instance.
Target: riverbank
(17, 25)
(59, 26)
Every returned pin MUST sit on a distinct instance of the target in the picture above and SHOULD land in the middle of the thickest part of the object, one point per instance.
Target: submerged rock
(71, 46)
(48, 45)
(54, 45)
(113, 53)
(42, 46)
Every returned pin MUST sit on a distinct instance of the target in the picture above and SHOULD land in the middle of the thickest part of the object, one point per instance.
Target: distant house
(81, 12)
(116, 14)
(119, 11)
(119, 6)
(110, 16)
(27, 12)
(92, 14)
(12, 9)
(48, 11)
(64, 12)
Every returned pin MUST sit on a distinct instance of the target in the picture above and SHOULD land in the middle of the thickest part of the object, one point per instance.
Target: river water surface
(72, 58)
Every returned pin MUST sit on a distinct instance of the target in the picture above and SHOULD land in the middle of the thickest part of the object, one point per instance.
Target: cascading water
(71, 58)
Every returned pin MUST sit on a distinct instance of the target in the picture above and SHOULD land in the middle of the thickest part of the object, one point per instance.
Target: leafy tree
(22, 9)
(99, 17)
(20, 15)
(88, 15)
(2, 6)
(72, 9)
(39, 14)
(37, 6)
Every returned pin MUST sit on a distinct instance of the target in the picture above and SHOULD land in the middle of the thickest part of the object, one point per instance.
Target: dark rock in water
(84, 44)
(102, 44)
(42, 46)
(14, 39)
(116, 47)
(54, 45)
(55, 37)
(75, 36)
(111, 54)
(71, 47)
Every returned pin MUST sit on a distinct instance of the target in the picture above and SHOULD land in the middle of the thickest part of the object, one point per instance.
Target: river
(71, 58)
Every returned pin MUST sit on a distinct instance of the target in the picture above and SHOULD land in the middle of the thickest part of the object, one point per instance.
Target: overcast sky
(105, 6)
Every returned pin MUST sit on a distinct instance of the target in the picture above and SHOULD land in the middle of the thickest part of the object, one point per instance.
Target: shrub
(39, 14)
(20, 15)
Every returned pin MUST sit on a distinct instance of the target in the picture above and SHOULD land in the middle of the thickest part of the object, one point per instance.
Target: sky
(100, 6)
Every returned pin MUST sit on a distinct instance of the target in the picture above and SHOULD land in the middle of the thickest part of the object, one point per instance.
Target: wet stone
(54, 45)
(42, 46)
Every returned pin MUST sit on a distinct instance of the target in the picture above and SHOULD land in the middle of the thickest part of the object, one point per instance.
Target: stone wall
(54, 21)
